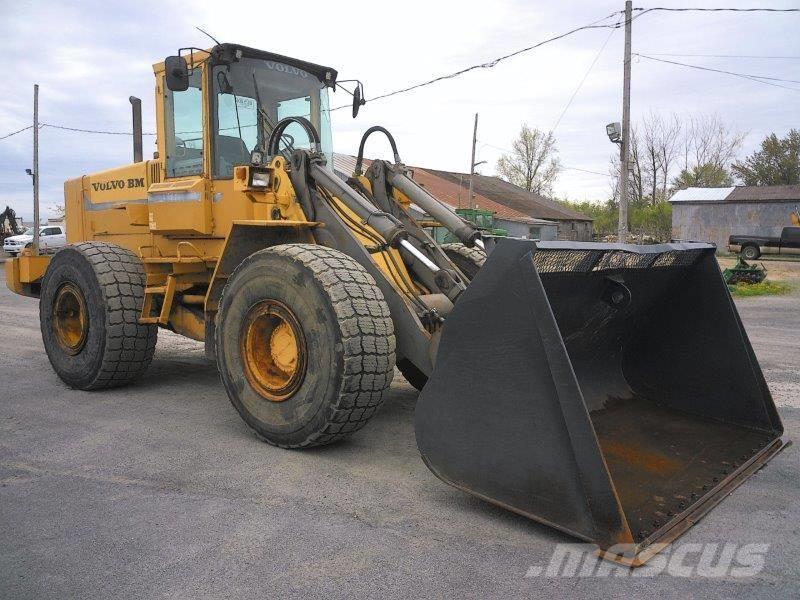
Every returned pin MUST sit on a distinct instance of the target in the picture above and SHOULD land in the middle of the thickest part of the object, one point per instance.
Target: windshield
(251, 96)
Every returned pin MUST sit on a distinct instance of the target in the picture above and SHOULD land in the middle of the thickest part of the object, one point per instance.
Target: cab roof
(227, 52)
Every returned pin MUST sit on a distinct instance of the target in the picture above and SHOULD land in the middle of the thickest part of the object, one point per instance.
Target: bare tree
(533, 164)
(708, 148)
(660, 147)
(654, 149)
(667, 153)
(635, 171)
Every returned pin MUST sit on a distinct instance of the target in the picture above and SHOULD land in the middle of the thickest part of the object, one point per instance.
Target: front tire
(305, 344)
(91, 300)
(751, 252)
(468, 260)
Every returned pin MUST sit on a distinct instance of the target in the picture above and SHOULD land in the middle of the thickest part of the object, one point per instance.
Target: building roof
(515, 198)
(447, 191)
(764, 193)
(699, 194)
(455, 196)
(740, 193)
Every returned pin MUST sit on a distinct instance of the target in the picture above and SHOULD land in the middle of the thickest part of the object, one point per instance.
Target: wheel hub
(70, 319)
(273, 350)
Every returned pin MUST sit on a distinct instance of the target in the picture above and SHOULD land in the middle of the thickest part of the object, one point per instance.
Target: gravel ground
(159, 490)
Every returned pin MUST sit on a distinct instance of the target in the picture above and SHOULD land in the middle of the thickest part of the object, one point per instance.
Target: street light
(614, 132)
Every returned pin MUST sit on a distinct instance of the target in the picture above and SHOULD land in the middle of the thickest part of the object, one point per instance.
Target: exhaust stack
(136, 106)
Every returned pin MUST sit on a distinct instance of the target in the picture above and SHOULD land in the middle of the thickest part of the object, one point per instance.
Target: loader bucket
(607, 390)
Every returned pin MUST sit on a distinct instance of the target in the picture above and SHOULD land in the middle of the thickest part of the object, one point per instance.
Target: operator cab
(251, 91)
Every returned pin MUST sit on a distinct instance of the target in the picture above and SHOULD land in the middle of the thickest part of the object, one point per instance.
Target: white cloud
(90, 56)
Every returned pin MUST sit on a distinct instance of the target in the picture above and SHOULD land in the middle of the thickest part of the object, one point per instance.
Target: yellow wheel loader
(608, 390)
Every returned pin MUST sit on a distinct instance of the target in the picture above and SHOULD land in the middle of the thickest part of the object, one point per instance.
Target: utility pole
(472, 162)
(622, 231)
(36, 169)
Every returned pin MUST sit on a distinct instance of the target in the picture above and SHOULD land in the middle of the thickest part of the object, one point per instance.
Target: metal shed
(714, 214)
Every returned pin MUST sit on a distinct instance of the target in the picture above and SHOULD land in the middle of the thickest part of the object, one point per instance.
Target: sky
(89, 56)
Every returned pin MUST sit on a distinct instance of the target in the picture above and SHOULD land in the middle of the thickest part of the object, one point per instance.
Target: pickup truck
(753, 246)
(51, 238)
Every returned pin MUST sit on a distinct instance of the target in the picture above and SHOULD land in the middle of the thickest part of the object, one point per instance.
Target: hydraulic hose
(360, 158)
(277, 133)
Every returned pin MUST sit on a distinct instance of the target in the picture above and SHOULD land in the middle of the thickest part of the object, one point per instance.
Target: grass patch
(765, 288)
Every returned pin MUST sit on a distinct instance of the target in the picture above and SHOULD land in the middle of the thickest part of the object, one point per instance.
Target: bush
(654, 220)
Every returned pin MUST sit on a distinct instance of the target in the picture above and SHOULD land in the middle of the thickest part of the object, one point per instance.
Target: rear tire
(324, 307)
(751, 252)
(468, 260)
(89, 310)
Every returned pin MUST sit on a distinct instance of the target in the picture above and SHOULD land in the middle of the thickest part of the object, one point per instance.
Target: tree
(533, 164)
(654, 150)
(668, 153)
(708, 148)
(776, 163)
(59, 211)
(707, 175)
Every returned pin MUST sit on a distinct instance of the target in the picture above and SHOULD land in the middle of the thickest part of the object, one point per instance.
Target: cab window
(184, 129)
(236, 132)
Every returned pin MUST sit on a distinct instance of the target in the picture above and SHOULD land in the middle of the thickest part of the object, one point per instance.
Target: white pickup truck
(51, 238)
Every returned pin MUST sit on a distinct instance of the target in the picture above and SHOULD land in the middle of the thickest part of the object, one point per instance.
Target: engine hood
(19, 238)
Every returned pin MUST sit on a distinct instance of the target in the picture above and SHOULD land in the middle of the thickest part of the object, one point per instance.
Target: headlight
(259, 180)
(256, 157)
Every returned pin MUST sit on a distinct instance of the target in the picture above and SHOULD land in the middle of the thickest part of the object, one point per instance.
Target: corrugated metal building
(714, 214)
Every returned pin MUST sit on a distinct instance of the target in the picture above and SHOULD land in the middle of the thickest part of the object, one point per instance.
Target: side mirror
(176, 73)
(358, 99)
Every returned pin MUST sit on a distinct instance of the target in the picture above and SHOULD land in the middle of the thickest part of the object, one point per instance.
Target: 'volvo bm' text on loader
(608, 390)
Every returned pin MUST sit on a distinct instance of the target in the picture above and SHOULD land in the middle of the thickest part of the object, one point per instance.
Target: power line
(723, 55)
(747, 10)
(586, 75)
(586, 171)
(90, 130)
(757, 78)
(492, 63)
(562, 166)
(8, 135)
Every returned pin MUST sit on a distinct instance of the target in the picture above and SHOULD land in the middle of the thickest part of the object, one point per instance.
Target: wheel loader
(607, 390)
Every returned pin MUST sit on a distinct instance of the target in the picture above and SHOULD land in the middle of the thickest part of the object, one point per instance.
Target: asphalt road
(160, 490)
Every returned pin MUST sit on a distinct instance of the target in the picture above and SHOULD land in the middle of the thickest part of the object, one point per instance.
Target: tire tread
(367, 336)
(130, 345)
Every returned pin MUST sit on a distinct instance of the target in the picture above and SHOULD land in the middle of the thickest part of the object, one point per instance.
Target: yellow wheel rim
(273, 350)
(70, 319)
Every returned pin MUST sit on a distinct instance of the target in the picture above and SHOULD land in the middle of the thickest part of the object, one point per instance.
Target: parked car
(51, 238)
(753, 246)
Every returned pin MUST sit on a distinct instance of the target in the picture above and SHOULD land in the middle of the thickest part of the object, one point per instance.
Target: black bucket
(607, 390)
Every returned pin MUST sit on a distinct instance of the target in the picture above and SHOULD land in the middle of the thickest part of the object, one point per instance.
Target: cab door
(181, 203)
(790, 240)
(52, 238)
